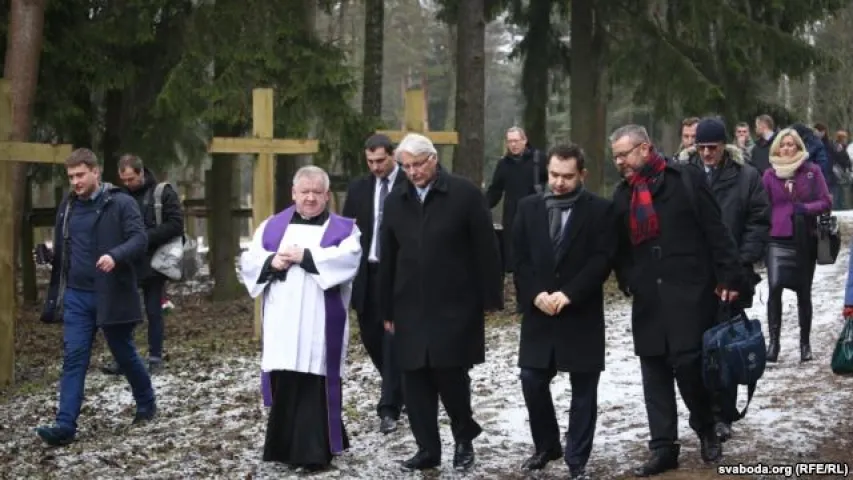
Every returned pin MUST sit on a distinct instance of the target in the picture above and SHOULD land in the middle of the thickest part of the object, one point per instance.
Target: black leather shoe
(145, 416)
(723, 431)
(463, 457)
(421, 461)
(710, 447)
(539, 460)
(387, 425)
(661, 460)
(578, 473)
(112, 368)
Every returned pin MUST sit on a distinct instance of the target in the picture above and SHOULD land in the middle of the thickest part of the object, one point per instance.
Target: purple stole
(337, 230)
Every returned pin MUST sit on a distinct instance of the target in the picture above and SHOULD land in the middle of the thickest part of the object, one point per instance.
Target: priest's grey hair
(312, 171)
(637, 133)
(415, 144)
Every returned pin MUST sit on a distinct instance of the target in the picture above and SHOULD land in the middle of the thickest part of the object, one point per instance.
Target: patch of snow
(212, 423)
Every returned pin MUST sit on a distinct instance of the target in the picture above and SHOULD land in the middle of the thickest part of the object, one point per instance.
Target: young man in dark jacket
(140, 183)
(98, 240)
(561, 239)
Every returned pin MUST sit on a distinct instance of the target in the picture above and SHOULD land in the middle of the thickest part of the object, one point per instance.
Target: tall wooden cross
(13, 152)
(416, 121)
(265, 147)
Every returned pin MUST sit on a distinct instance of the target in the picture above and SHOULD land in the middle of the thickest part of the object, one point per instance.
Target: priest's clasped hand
(551, 303)
(291, 255)
(280, 262)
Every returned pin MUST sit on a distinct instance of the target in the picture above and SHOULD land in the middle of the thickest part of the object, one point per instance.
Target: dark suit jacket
(359, 205)
(575, 337)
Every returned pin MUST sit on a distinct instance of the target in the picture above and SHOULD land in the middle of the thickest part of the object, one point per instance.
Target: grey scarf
(556, 205)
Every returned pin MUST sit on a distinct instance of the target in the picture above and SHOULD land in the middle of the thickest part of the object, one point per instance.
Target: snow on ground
(212, 422)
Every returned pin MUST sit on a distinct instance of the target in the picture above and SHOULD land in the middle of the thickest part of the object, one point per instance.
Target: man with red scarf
(677, 260)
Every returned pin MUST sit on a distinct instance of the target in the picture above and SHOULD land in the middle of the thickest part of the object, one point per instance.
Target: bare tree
(23, 52)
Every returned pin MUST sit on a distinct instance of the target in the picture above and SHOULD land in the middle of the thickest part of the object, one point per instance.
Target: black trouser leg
(582, 418)
(659, 394)
(536, 387)
(688, 376)
(723, 400)
(454, 387)
(379, 346)
(422, 403)
(391, 399)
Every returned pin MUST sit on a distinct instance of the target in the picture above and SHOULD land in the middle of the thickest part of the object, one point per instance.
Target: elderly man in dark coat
(745, 210)
(440, 272)
(562, 241)
(675, 258)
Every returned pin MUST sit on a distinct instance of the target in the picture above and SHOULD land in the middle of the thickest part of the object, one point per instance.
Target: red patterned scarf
(643, 219)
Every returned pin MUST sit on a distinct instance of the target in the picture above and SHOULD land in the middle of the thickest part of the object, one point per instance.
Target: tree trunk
(535, 73)
(29, 290)
(470, 90)
(588, 97)
(221, 227)
(374, 43)
(23, 52)
(447, 151)
(113, 130)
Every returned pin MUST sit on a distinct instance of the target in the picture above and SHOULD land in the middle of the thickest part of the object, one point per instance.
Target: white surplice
(294, 311)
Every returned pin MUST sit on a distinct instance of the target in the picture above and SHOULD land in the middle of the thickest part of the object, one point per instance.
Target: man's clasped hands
(551, 303)
(291, 255)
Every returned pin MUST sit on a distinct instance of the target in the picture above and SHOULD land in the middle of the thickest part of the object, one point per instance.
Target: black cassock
(298, 425)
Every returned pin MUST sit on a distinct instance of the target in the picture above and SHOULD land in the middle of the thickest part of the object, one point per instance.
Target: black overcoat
(673, 277)
(440, 271)
(574, 338)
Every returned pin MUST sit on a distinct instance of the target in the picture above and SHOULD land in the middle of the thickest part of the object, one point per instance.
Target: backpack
(177, 259)
(733, 354)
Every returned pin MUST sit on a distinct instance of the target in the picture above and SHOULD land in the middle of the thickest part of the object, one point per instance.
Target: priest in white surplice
(303, 261)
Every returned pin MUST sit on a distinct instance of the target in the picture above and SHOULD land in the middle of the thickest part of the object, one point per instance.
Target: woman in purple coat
(798, 195)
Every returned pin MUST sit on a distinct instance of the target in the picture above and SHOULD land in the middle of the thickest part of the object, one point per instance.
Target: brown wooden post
(266, 148)
(415, 122)
(13, 152)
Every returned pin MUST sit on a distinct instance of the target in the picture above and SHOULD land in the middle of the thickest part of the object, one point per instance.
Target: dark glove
(848, 311)
(799, 208)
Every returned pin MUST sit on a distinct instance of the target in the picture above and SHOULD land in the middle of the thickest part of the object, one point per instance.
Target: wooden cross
(265, 147)
(13, 152)
(415, 121)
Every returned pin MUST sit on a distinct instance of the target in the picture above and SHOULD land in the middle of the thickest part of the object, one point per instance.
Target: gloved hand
(847, 312)
(800, 208)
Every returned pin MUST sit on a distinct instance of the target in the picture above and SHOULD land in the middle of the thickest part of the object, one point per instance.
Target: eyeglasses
(711, 148)
(623, 155)
(416, 165)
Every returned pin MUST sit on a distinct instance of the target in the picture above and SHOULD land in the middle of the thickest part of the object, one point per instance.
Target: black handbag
(828, 237)
(784, 268)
